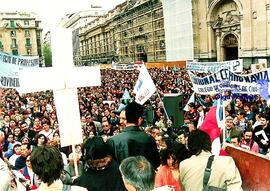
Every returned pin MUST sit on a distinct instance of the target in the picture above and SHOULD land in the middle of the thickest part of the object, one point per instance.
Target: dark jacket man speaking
(132, 141)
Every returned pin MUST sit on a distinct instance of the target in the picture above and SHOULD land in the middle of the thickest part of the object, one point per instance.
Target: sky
(50, 12)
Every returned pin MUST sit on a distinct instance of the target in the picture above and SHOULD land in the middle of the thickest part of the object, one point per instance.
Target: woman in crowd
(29, 175)
(40, 140)
(168, 172)
(102, 171)
(48, 165)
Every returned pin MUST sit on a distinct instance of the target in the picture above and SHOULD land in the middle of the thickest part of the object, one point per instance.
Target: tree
(47, 55)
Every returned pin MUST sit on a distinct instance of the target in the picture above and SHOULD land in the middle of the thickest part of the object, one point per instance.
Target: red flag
(210, 125)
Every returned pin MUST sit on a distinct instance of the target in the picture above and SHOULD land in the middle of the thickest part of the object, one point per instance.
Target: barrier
(253, 167)
(179, 64)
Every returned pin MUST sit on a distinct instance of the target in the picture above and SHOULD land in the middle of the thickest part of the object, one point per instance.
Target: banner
(23, 61)
(226, 80)
(10, 66)
(144, 87)
(130, 66)
(258, 67)
(213, 67)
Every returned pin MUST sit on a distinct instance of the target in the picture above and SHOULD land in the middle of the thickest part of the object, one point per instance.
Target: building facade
(20, 34)
(75, 21)
(132, 31)
(232, 29)
(222, 30)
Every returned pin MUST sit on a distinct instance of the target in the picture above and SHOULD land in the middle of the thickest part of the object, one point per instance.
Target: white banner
(258, 67)
(226, 80)
(213, 67)
(22, 61)
(144, 87)
(130, 66)
(10, 66)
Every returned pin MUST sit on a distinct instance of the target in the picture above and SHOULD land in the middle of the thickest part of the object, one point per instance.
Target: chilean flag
(211, 125)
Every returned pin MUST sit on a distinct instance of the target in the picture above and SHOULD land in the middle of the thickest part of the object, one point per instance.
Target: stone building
(20, 33)
(231, 29)
(132, 31)
(221, 30)
(74, 21)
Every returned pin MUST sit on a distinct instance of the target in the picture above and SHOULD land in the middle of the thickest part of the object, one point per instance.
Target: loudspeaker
(174, 107)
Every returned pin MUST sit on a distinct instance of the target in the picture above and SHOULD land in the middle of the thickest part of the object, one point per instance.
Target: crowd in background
(29, 121)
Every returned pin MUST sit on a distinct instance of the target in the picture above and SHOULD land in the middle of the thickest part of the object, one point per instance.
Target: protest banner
(144, 87)
(10, 66)
(130, 66)
(226, 80)
(258, 67)
(213, 67)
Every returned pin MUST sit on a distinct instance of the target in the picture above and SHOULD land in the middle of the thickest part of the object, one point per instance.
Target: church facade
(231, 29)
(222, 30)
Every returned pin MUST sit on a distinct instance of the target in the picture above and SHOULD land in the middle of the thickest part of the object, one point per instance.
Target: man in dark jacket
(262, 134)
(132, 141)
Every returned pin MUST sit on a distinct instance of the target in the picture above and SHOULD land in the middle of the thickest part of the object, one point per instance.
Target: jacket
(133, 142)
(224, 173)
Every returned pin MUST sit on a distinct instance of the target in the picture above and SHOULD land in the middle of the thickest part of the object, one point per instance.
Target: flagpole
(75, 160)
(223, 121)
(167, 117)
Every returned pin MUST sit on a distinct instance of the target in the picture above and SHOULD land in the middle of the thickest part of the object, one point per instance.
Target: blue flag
(262, 85)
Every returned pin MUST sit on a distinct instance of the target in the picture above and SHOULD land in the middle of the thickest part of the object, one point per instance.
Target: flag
(126, 95)
(144, 87)
(124, 101)
(191, 100)
(219, 112)
(210, 126)
(262, 85)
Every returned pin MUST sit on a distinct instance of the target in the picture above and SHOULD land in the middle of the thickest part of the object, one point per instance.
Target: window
(38, 34)
(27, 33)
(28, 43)
(14, 43)
(1, 45)
(141, 29)
(15, 52)
(12, 33)
(29, 52)
(162, 44)
(26, 22)
(12, 25)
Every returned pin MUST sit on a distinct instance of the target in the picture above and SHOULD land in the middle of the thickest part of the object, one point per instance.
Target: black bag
(207, 173)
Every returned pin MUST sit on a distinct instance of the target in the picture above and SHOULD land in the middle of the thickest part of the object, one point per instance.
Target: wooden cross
(63, 78)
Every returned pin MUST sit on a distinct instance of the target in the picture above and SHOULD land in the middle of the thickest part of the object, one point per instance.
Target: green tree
(47, 55)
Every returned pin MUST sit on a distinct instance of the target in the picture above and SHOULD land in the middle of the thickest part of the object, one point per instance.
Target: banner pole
(75, 160)
(223, 121)
(167, 117)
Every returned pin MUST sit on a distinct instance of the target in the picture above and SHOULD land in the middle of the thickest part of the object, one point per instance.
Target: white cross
(63, 78)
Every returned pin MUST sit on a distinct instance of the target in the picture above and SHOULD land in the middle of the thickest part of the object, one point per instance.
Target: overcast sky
(50, 12)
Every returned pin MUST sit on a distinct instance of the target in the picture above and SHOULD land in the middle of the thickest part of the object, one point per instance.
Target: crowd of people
(113, 130)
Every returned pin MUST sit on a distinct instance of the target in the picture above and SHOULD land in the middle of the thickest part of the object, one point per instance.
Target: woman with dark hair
(102, 169)
(47, 163)
(40, 140)
(168, 172)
